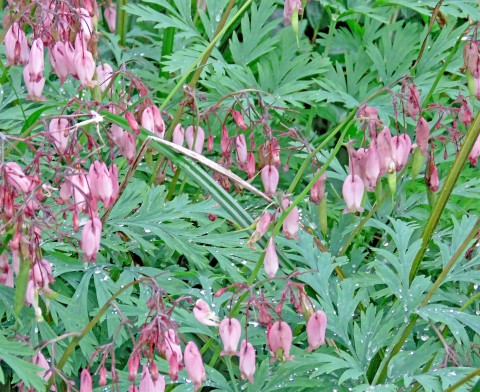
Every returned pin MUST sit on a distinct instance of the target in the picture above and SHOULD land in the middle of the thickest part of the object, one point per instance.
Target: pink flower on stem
(202, 313)
(465, 114)
(352, 191)
(239, 120)
(413, 100)
(225, 142)
(241, 149)
(317, 192)
(146, 382)
(17, 178)
(37, 61)
(91, 234)
(102, 376)
(270, 178)
(103, 182)
(16, 45)
(194, 365)
(230, 332)
(133, 364)
(58, 131)
(291, 222)
(372, 166)
(173, 354)
(316, 327)
(279, 339)
(195, 137)
(289, 8)
(400, 152)
(85, 68)
(132, 123)
(247, 361)
(59, 61)
(34, 89)
(475, 152)
(152, 120)
(251, 165)
(385, 152)
(129, 148)
(85, 381)
(110, 14)
(422, 135)
(270, 262)
(178, 135)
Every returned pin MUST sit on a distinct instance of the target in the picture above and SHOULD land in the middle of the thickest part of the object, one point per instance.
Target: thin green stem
(470, 301)
(399, 342)
(121, 22)
(230, 372)
(444, 195)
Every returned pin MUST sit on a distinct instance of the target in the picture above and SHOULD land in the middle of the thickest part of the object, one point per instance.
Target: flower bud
(103, 182)
(316, 327)
(291, 222)
(465, 114)
(279, 339)
(202, 313)
(86, 23)
(400, 153)
(230, 332)
(225, 142)
(146, 383)
(102, 380)
(385, 151)
(289, 8)
(372, 166)
(195, 137)
(247, 361)
(132, 123)
(238, 118)
(422, 135)
(91, 234)
(178, 135)
(470, 56)
(17, 178)
(241, 149)
(317, 192)
(352, 191)
(210, 143)
(194, 365)
(431, 174)
(270, 262)
(270, 178)
(34, 89)
(85, 381)
(413, 101)
(129, 147)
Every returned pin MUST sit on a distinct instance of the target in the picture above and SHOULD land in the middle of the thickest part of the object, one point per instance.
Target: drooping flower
(103, 182)
(241, 149)
(59, 61)
(194, 365)
(316, 327)
(110, 15)
(84, 68)
(16, 45)
(37, 61)
(413, 100)
(475, 152)
(102, 376)
(202, 313)
(270, 178)
(247, 361)
(239, 120)
(173, 353)
(146, 382)
(133, 364)
(195, 138)
(85, 381)
(352, 191)
(279, 339)
(104, 75)
(132, 123)
(372, 166)
(422, 135)
(291, 222)
(270, 262)
(34, 89)
(317, 192)
(17, 178)
(385, 152)
(465, 114)
(58, 131)
(400, 154)
(91, 234)
(178, 135)
(230, 332)
(431, 174)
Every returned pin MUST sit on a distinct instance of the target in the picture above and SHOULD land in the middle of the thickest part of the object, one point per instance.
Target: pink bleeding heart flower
(251, 167)
(132, 123)
(16, 46)
(40, 360)
(129, 148)
(91, 234)
(431, 175)
(17, 178)
(104, 75)
(230, 332)
(270, 178)
(102, 376)
(408, 146)
(317, 192)
(316, 327)
(270, 262)
(59, 61)
(279, 339)
(110, 15)
(385, 152)
(133, 364)
(400, 154)
(247, 361)
(34, 89)
(85, 68)
(475, 152)
(152, 120)
(422, 135)
(263, 223)
(352, 191)
(195, 137)
(103, 182)
(86, 23)
(178, 135)
(173, 353)
(85, 381)
(58, 131)
(470, 56)
(146, 382)
(372, 166)
(194, 365)
(202, 313)
(291, 222)
(241, 149)
(70, 56)
(37, 61)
